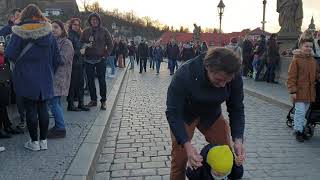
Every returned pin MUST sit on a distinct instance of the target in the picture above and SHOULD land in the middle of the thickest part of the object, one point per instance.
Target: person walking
(76, 90)
(121, 54)
(247, 54)
(143, 55)
(112, 59)
(173, 55)
(62, 78)
(132, 54)
(97, 47)
(35, 53)
(187, 52)
(272, 59)
(158, 56)
(194, 99)
(261, 55)
(152, 60)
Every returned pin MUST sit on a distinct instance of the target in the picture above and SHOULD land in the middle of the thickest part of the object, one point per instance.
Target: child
(302, 74)
(218, 163)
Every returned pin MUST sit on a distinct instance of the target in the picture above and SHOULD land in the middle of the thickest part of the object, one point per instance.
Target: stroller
(312, 115)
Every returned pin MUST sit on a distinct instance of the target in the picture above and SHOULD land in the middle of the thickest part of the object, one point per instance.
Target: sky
(238, 14)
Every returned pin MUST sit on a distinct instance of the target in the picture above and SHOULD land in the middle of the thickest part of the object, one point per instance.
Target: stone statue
(196, 33)
(290, 16)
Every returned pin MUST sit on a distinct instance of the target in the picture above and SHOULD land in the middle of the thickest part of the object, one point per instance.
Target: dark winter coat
(273, 51)
(132, 50)
(33, 73)
(7, 30)
(74, 37)
(187, 53)
(190, 96)
(143, 51)
(204, 172)
(247, 48)
(173, 51)
(158, 54)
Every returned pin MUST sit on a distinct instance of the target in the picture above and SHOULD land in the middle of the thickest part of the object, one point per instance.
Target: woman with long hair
(62, 79)
(76, 90)
(35, 53)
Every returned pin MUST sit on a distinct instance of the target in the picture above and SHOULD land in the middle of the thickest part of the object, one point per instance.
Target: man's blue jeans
(131, 62)
(57, 112)
(172, 64)
(158, 64)
(110, 62)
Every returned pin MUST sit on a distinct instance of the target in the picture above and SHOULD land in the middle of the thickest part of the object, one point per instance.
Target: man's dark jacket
(143, 51)
(173, 52)
(191, 95)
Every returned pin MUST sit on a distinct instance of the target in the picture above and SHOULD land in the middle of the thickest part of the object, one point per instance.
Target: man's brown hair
(32, 12)
(222, 59)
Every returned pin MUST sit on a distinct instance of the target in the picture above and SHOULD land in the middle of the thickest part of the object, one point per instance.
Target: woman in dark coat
(272, 59)
(33, 72)
(76, 90)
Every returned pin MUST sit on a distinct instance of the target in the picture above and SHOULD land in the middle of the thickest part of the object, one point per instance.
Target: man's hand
(240, 152)
(293, 97)
(82, 51)
(194, 158)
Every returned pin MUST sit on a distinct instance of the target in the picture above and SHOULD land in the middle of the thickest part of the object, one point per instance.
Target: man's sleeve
(5, 31)
(235, 108)
(109, 42)
(176, 95)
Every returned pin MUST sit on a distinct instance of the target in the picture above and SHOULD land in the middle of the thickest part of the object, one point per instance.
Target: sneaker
(2, 149)
(299, 136)
(32, 145)
(43, 144)
(103, 106)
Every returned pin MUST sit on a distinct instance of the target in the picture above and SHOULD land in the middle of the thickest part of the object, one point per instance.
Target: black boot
(4, 135)
(82, 107)
(10, 130)
(55, 133)
(71, 107)
(299, 136)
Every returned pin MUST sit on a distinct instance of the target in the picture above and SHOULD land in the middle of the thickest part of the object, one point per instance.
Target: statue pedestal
(287, 41)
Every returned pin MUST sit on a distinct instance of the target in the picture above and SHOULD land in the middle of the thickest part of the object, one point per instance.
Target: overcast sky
(239, 14)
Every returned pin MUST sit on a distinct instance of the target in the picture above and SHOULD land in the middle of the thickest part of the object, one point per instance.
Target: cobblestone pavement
(137, 145)
(18, 163)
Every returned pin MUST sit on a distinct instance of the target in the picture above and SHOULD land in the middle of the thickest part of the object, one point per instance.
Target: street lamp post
(264, 15)
(221, 7)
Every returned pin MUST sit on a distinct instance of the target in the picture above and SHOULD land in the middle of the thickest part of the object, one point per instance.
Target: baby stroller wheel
(289, 123)
(309, 130)
(290, 117)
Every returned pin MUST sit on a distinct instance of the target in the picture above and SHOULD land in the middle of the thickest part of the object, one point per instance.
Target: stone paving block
(121, 155)
(102, 176)
(123, 146)
(133, 165)
(159, 164)
(117, 166)
(143, 172)
(103, 167)
(135, 154)
(106, 158)
(124, 150)
(163, 171)
(108, 150)
(153, 178)
(124, 160)
(120, 173)
(143, 159)
(160, 158)
(135, 178)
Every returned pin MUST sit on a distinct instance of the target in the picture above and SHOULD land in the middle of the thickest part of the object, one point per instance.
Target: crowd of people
(44, 61)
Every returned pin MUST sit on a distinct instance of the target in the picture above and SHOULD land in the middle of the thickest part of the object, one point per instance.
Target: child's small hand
(239, 160)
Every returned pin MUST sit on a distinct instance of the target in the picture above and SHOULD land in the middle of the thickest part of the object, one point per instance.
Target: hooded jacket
(102, 39)
(302, 74)
(33, 72)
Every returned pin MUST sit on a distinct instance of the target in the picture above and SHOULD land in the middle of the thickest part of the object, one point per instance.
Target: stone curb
(268, 98)
(83, 164)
